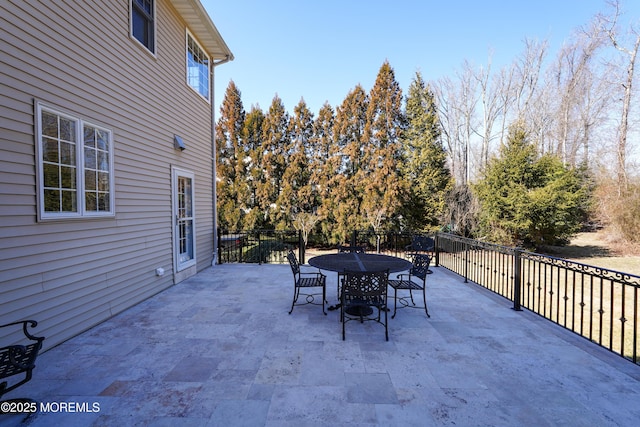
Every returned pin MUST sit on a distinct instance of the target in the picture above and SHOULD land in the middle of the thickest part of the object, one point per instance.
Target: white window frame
(80, 168)
(155, 26)
(188, 68)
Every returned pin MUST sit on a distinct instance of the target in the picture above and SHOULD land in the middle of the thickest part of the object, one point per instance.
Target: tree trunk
(624, 122)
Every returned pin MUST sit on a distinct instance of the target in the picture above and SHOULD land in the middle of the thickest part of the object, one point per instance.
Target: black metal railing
(489, 265)
(596, 303)
(259, 246)
(388, 243)
(271, 246)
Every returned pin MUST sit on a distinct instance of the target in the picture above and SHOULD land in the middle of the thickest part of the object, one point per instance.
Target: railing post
(219, 246)
(259, 249)
(354, 238)
(466, 261)
(301, 247)
(436, 246)
(517, 280)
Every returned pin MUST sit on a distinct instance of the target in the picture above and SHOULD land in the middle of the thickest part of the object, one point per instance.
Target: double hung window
(75, 166)
(197, 67)
(143, 23)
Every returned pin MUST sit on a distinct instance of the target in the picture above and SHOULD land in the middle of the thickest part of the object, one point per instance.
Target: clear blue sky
(320, 50)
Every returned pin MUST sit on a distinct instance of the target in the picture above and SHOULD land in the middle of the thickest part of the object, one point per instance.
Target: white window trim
(81, 213)
(155, 30)
(186, 65)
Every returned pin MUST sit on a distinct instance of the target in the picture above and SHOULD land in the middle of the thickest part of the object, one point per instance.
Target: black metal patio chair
(344, 249)
(421, 245)
(18, 361)
(306, 280)
(419, 269)
(364, 297)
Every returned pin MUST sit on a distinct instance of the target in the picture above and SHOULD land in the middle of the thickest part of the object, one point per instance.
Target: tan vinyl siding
(77, 58)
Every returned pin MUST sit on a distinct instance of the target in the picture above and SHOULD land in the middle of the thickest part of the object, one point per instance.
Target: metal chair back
(420, 266)
(364, 297)
(351, 249)
(293, 262)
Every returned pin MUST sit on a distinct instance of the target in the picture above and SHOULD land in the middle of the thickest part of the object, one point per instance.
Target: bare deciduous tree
(305, 222)
(457, 103)
(574, 80)
(519, 90)
(375, 217)
(491, 87)
(609, 25)
(526, 76)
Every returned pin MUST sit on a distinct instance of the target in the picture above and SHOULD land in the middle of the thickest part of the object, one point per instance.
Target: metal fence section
(259, 246)
(489, 265)
(389, 243)
(598, 304)
(271, 246)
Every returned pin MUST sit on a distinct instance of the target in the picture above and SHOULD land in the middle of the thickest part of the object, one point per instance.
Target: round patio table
(352, 261)
(359, 262)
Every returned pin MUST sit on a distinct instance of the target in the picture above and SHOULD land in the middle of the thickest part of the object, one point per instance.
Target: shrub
(619, 210)
(461, 213)
(530, 200)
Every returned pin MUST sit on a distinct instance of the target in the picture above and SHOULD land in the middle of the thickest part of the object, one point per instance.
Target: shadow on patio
(220, 349)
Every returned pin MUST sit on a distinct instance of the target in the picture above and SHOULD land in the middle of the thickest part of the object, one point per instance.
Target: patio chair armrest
(25, 324)
(401, 275)
(16, 323)
(317, 274)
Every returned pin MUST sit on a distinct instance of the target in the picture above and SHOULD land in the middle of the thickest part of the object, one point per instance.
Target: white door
(184, 238)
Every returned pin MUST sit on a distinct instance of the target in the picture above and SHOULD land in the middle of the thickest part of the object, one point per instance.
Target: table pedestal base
(359, 311)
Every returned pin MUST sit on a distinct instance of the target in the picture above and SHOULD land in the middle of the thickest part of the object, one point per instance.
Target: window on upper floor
(75, 166)
(197, 67)
(143, 26)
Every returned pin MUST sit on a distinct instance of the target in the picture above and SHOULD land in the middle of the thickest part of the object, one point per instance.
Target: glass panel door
(184, 232)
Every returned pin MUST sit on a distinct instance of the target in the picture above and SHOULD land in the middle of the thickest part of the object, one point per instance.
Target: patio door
(184, 237)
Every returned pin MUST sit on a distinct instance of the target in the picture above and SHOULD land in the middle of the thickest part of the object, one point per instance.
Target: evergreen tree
(346, 191)
(231, 185)
(275, 142)
(425, 160)
(352, 169)
(383, 187)
(530, 200)
(252, 136)
(324, 164)
(295, 193)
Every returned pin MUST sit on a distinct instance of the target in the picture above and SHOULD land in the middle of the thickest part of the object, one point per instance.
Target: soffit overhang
(202, 27)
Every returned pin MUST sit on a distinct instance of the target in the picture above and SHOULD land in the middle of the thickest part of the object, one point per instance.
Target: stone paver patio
(219, 349)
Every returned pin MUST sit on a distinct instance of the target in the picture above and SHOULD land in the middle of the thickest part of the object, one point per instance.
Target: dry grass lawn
(593, 248)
